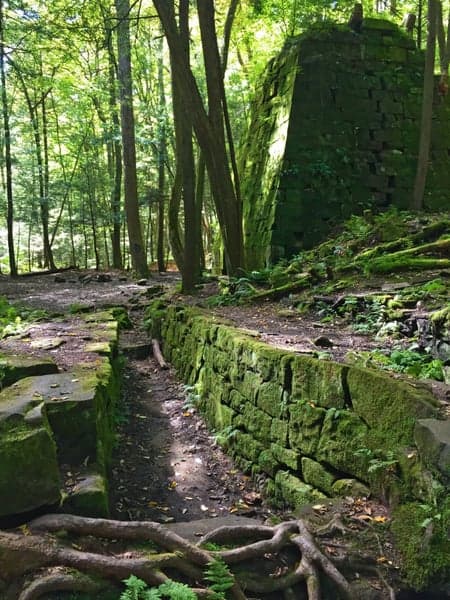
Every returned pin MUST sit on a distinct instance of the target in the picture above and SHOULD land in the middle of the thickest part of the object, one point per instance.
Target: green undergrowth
(366, 247)
(13, 319)
(410, 362)
(216, 574)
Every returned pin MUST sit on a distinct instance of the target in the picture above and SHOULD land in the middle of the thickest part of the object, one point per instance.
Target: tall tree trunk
(137, 251)
(43, 199)
(7, 145)
(175, 242)
(208, 130)
(185, 176)
(162, 154)
(443, 38)
(116, 156)
(427, 110)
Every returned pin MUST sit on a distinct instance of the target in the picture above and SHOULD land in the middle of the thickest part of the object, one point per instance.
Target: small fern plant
(136, 589)
(219, 577)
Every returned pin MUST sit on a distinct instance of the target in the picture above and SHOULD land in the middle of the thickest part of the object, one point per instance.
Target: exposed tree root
(35, 552)
(60, 582)
(157, 354)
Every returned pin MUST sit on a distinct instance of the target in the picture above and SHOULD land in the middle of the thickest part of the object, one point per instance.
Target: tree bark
(137, 252)
(8, 161)
(162, 154)
(443, 38)
(115, 173)
(208, 130)
(427, 110)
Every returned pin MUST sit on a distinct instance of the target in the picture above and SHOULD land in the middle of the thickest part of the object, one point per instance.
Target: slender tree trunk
(116, 157)
(91, 198)
(199, 196)
(443, 38)
(72, 237)
(173, 211)
(209, 130)
(43, 199)
(162, 154)
(427, 110)
(7, 145)
(184, 182)
(128, 139)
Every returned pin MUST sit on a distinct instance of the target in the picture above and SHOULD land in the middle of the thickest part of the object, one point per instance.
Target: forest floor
(167, 467)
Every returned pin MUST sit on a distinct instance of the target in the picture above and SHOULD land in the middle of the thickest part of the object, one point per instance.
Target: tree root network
(47, 555)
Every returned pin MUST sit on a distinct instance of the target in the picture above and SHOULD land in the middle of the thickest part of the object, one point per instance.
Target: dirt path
(166, 467)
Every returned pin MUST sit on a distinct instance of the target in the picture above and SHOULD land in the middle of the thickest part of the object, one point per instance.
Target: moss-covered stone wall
(335, 130)
(54, 423)
(305, 428)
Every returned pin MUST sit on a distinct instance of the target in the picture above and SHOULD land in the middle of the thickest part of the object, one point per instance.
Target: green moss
(29, 474)
(243, 444)
(389, 407)
(270, 399)
(268, 462)
(13, 368)
(294, 491)
(317, 475)
(421, 534)
(285, 456)
(342, 435)
(279, 431)
(258, 423)
(319, 382)
(305, 425)
(389, 264)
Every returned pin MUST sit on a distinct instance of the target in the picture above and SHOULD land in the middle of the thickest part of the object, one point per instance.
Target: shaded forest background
(122, 123)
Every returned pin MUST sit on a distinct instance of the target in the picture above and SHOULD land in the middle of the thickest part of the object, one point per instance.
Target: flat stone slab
(27, 393)
(432, 438)
(17, 367)
(47, 343)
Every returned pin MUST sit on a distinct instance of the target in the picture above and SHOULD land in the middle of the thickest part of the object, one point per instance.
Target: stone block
(342, 435)
(305, 425)
(268, 462)
(29, 473)
(244, 445)
(319, 382)
(432, 438)
(15, 367)
(317, 475)
(279, 431)
(257, 422)
(388, 406)
(294, 491)
(350, 487)
(286, 456)
(270, 399)
(89, 497)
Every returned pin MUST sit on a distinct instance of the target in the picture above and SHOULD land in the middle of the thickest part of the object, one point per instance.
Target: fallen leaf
(380, 519)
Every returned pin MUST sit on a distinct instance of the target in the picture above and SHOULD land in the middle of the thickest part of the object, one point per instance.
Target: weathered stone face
(334, 130)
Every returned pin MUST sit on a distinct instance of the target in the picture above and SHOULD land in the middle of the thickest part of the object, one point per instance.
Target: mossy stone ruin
(307, 429)
(334, 131)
